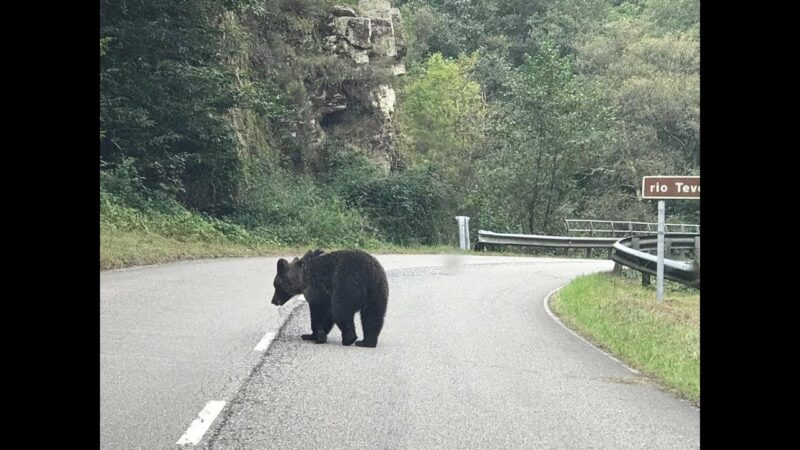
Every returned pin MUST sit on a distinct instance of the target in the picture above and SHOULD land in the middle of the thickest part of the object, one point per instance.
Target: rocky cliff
(361, 112)
(338, 66)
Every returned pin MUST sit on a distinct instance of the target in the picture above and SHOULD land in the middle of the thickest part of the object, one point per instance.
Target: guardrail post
(635, 246)
(667, 247)
(697, 248)
(588, 253)
(617, 266)
(463, 232)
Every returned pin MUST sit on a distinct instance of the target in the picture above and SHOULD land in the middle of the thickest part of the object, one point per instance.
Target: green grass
(619, 315)
(120, 249)
(148, 234)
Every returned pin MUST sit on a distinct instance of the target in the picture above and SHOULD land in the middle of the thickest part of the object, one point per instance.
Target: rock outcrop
(370, 38)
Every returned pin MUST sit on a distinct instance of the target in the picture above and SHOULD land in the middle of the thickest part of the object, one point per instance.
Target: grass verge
(146, 235)
(662, 340)
(120, 249)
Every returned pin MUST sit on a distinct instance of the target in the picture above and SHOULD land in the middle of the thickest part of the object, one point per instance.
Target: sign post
(660, 254)
(667, 187)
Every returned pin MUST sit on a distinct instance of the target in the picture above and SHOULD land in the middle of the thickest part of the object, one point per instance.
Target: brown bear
(336, 286)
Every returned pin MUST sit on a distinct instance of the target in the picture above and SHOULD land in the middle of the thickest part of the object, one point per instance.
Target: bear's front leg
(321, 323)
(319, 337)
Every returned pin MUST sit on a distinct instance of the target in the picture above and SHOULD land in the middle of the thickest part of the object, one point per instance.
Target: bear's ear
(282, 263)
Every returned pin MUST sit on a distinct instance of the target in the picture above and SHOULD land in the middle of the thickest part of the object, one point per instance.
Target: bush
(181, 224)
(291, 210)
(408, 207)
(123, 182)
(281, 209)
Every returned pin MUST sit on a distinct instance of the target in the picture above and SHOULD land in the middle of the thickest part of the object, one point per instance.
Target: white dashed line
(263, 344)
(194, 434)
(200, 425)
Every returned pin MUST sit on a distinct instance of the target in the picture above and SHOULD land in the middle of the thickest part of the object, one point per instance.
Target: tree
(444, 119)
(552, 128)
(651, 77)
(163, 94)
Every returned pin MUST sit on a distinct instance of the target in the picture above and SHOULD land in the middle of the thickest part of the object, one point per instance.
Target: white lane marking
(263, 344)
(200, 425)
(283, 315)
(194, 434)
(558, 321)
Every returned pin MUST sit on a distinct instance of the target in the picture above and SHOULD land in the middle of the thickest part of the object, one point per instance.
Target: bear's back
(349, 267)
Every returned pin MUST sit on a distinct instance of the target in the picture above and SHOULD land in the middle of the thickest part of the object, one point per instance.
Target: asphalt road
(469, 358)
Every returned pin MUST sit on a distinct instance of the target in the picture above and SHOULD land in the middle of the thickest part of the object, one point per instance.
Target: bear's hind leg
(371, 324)
(343, 316)
(328, 323)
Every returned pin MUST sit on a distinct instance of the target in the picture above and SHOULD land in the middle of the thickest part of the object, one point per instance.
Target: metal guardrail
(682, 272)
(532, 240)
(674, 241)
(630, 251)
(625, 228)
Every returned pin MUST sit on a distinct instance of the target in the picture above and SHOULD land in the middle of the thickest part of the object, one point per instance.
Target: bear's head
(291, 278)
(289, 281)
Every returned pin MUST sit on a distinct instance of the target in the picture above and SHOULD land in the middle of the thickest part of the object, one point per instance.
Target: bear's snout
(280, 297)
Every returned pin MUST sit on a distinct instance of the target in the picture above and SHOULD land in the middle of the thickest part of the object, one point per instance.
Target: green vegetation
(156, 234)
(516, 113)
(660, 339)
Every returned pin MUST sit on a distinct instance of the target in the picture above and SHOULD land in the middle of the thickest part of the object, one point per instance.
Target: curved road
(469, 358)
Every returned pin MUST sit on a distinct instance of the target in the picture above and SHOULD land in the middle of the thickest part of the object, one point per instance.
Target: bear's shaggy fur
(336, 286)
